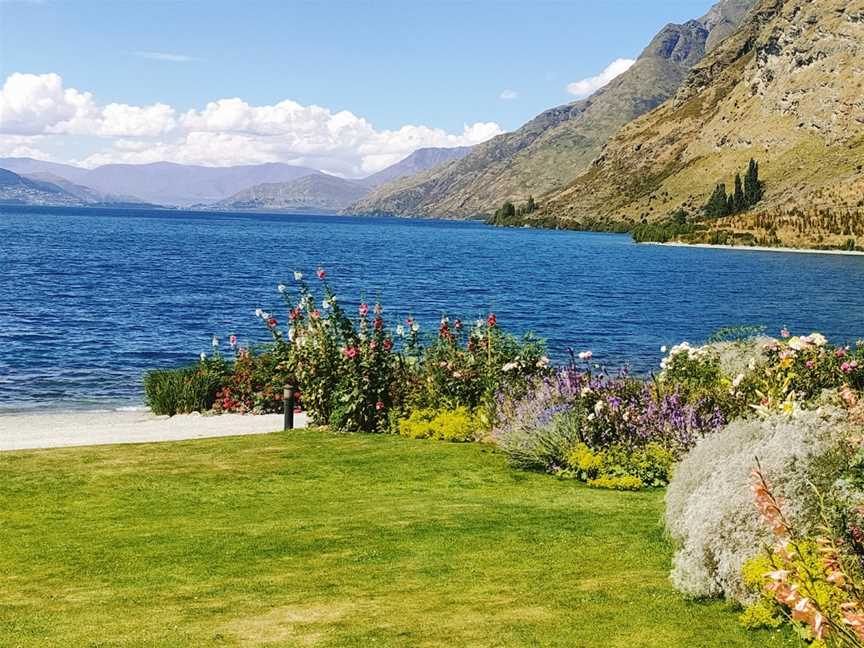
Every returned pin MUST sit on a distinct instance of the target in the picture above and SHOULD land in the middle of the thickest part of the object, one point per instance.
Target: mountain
(420, 160)
(180, 184)
(28, 166)
(557, 145)
(317, 192)
(86, 194)
(784, 89)
(18, 190)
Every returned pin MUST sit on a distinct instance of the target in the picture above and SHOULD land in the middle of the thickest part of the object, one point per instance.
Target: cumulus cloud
(224, 132)
(508, 95)
(165, 56)
(587, 87)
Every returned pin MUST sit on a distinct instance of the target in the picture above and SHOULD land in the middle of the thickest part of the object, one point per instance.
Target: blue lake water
(90, 299)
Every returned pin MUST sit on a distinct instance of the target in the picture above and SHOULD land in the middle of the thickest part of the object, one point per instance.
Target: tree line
(746, 194)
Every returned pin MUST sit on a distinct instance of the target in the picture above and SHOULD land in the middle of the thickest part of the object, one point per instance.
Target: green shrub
(623, 483)
(650, 465)
(180, 391)
(457, 425)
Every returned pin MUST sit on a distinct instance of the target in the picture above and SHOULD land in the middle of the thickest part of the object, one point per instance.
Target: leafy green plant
(457, 425)
(181, 391)
(621, 483)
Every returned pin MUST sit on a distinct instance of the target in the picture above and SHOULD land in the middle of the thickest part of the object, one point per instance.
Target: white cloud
(508, 95)
(166, 56)
(224, 132)
(587, 87)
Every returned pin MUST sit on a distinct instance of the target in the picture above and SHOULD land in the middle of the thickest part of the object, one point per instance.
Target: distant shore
(757, 248)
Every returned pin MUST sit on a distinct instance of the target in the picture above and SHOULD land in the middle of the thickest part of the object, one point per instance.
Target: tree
(531, 206)
(718, 204)
(680, 217)
(752, 185)
(739, 203)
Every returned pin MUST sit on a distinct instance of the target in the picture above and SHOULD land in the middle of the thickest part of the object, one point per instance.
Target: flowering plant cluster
(581, 409)
(816, 583)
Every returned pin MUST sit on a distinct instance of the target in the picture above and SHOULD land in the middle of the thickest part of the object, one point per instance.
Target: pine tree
(752, 185)
(739, 203)
(718, 205)
(531, 206)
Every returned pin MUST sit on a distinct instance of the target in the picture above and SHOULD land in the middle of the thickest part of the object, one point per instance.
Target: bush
(255, 384)
(544, 444)
(708, 511)
(457, 425)
(622, 483)
(181, 391)
(651, 465)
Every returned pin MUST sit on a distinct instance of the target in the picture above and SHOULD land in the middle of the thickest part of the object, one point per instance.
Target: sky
(348, 87)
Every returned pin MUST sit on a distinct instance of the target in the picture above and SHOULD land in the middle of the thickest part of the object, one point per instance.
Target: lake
(90, 299)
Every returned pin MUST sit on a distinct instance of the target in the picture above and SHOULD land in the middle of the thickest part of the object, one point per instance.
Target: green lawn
(314, 539)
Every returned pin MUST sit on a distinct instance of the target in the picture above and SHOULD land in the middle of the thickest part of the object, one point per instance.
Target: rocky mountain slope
(318, 193)
(419, 161)
(557, 145)
(786, 89)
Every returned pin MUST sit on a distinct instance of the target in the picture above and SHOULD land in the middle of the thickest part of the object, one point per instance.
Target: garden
(520, 493)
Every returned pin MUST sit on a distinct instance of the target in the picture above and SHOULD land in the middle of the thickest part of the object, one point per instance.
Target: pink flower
(388, 344)
(846, 367)
(315, 314)
(373, 345)
(491, 321)
(810, 364)
(784, 332)
(272, 322)
(232, 340)
(321, 273)
(379, 406)
(351, 352)
(363, 310)
(586, 355)
(840, 352)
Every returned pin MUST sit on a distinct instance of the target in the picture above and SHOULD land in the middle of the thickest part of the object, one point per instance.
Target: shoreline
(755, 248)
(62, 429)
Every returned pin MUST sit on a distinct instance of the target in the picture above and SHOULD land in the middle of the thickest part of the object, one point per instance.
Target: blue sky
(438, 64)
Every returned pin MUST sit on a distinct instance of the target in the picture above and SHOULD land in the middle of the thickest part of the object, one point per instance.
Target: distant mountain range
(273, 186)
(553, 148)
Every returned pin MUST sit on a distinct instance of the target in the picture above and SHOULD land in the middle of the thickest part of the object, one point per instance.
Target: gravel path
(22, 431)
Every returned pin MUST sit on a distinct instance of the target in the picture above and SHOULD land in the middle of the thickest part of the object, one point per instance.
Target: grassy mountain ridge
(554, 147)
(785, 89)
(316, 192)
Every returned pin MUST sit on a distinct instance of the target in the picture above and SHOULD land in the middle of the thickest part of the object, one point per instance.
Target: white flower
(479, 323)
(510, 366)
(816, 339)
(259, 312)
(203, 356)
(400, 330)
(291, 333)
(737, 380)
(298, 276)
(215, 341)
(281, 288)
(415, 327)
(663, 349)
(543, 362)
(591, 416)
(586, 355)
(752, 364)
(586, 391)
(598, 407)
(797, 343)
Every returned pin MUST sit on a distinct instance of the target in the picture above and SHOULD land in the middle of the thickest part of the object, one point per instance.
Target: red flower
(491, 321)
(379, 324)
(379, 406)
(315, 314)
(351, 352)
(294, 314)
(388, 344)
(373, 345)
(272, 322)
(363, 310)
(321, 273)
(232, 340)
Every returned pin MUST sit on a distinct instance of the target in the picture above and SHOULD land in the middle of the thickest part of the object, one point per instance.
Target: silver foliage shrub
(709, 505)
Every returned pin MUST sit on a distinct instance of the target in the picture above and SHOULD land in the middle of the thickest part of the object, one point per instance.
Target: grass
(315, 539)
